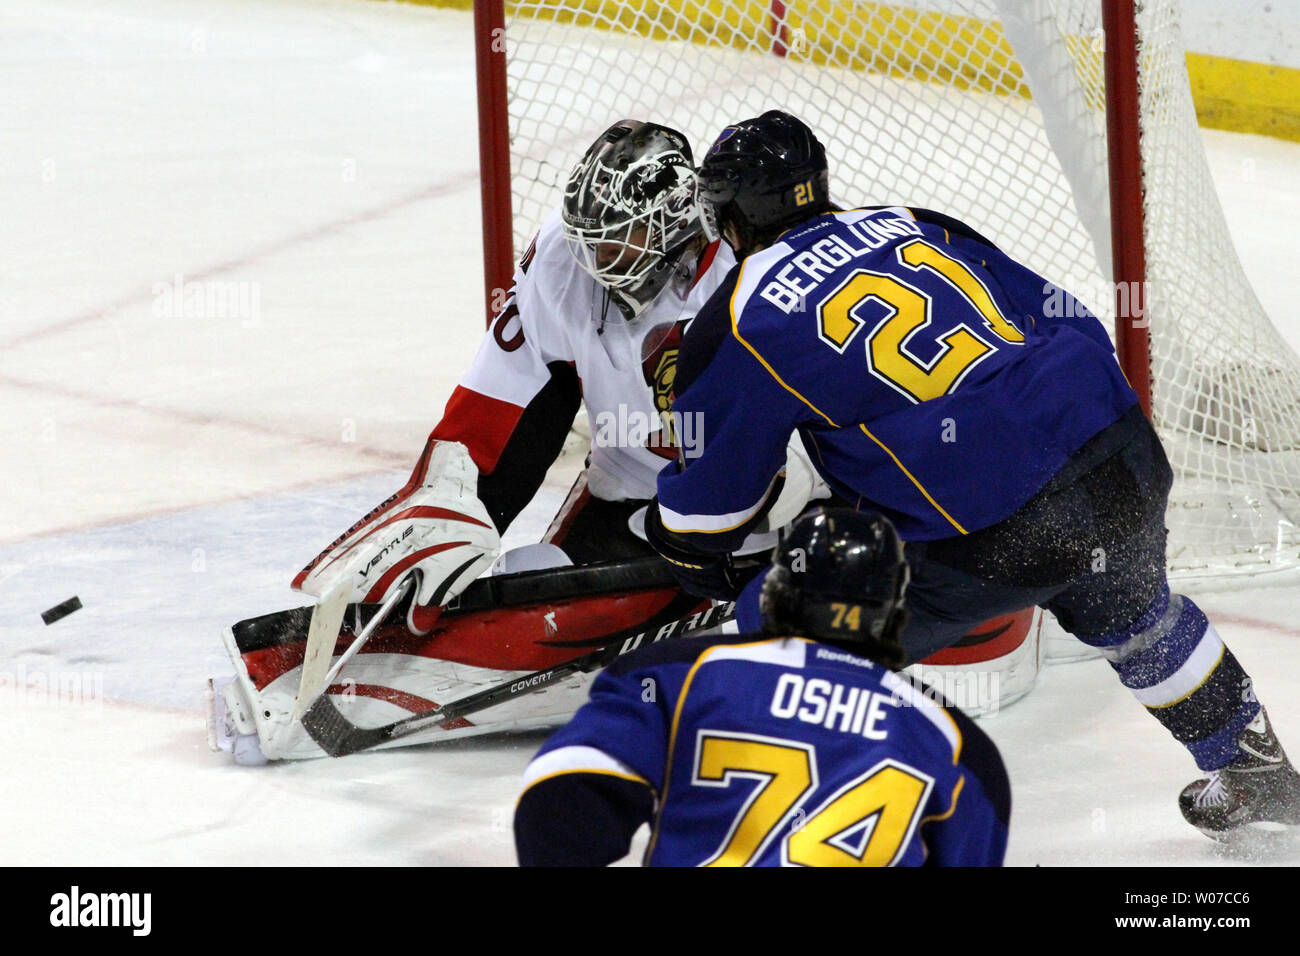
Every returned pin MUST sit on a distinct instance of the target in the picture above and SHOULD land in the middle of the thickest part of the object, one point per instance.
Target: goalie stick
(338, 736)
(322, 633)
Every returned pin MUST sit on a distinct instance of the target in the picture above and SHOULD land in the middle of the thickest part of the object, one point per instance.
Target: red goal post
(494, 149)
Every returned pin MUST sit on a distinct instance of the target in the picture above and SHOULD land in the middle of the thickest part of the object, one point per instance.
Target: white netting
(992, 112)
(1226, 388)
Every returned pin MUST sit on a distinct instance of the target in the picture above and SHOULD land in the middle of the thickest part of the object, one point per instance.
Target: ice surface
(174, 470)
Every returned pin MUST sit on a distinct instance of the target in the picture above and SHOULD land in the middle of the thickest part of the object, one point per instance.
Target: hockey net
(994, 112)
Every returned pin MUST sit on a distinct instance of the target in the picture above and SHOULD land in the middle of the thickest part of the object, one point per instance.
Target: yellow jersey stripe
(956, 792)
(735, 330)
(919, 487)
(634, 778)
(956, 750)
(667, 515)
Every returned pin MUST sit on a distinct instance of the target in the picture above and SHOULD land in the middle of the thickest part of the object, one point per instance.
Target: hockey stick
(338, 736)
(322, 634)
(318, 629)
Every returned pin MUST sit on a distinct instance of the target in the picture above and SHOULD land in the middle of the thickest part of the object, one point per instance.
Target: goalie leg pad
(993, 666)
(398, 674)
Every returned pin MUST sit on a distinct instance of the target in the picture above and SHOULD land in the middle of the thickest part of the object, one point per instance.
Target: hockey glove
(434, 526)
(718, 576)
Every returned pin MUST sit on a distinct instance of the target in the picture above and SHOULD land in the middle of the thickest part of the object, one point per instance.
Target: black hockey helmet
(839, 575)
(630, 210)
(763, 175)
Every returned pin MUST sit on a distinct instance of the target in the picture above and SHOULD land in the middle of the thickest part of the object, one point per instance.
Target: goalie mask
(839, 575)
(630, 210)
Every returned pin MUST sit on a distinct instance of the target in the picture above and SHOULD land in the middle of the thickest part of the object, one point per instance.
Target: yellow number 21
(909, 312)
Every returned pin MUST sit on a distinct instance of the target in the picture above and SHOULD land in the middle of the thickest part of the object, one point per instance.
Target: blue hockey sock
(1178, 667)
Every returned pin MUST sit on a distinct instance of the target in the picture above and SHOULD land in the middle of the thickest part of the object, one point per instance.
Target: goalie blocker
(435, 527)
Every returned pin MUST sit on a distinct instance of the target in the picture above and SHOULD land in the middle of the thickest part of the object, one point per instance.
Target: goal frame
(1123, 144)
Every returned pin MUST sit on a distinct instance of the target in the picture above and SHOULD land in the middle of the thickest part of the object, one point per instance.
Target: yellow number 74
(867, 822)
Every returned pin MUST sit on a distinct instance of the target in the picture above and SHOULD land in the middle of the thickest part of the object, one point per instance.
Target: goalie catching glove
(435, 526)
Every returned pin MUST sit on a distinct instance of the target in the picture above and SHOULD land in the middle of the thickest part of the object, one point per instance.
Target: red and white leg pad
(993, 666)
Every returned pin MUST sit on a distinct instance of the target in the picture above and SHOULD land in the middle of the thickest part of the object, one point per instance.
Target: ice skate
(1259, 789)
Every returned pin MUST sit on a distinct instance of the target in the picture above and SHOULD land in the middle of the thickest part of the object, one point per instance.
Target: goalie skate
(231, 728)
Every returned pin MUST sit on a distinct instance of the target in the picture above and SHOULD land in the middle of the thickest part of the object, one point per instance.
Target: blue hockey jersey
(932, 377)
(764, 752)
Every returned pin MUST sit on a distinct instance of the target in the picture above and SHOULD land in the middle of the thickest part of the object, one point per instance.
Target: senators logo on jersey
(660, 370)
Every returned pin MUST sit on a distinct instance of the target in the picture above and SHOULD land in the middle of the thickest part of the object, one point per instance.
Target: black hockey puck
(61, 610)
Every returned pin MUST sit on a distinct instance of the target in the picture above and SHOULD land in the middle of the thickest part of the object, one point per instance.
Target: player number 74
(867, 822)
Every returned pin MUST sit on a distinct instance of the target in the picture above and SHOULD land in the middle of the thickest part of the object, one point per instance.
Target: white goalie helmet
(630, 210)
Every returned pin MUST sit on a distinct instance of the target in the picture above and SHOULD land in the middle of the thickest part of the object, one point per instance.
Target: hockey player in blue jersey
(929, 380)
(799, 746)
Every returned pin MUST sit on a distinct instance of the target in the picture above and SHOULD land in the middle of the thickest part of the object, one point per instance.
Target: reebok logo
(75, 909)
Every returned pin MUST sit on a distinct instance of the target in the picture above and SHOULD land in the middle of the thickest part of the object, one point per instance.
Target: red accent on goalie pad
(410, 702)
(418, 475)
(376, 593)
(526, 638)
(421, 511)
(479, 422)
(423, 617)
(995, 638)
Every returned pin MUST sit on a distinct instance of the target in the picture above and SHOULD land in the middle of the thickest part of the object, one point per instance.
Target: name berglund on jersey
(75, 909)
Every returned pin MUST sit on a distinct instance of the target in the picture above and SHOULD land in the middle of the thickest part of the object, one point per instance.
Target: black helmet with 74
(839, 575)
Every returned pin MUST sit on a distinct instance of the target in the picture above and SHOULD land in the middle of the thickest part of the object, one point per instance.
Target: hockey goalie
(599, 303)
(597, 307)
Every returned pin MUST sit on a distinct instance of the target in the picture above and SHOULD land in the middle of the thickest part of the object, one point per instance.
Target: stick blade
(335, 734)
(322, 634)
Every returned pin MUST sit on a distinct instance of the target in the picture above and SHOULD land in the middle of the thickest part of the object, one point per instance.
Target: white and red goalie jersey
(560, 340)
